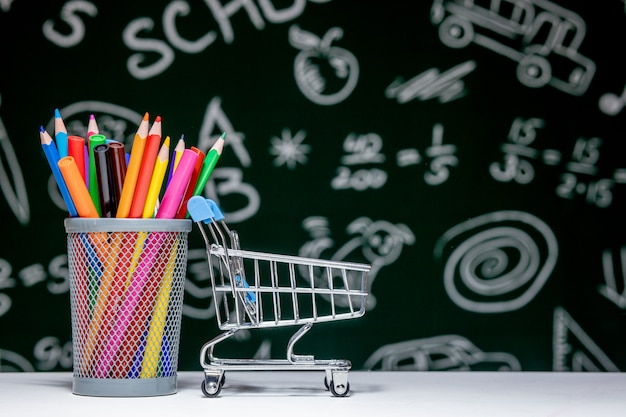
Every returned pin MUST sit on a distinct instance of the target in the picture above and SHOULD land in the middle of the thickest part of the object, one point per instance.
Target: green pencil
(209, 163)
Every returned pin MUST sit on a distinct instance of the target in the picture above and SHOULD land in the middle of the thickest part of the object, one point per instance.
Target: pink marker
(178, 185)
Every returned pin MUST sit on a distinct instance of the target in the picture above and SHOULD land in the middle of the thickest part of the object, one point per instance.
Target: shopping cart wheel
(212, 385)
(338, 383)
(340, 390)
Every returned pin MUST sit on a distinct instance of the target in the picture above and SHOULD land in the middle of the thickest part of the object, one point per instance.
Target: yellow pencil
(158, 173)
(157, 324)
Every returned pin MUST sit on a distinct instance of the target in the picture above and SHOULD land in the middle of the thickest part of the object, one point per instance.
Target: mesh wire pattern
(126, 295)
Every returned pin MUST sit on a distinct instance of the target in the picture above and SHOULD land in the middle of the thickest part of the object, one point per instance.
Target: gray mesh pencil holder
(126, 293)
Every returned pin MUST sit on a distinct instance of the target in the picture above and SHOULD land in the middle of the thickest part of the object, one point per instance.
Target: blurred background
(472, 152)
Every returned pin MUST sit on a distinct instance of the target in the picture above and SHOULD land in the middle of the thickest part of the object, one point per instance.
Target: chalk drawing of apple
(325, 74)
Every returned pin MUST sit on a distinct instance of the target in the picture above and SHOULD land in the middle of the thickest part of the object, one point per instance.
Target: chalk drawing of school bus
(542, 37)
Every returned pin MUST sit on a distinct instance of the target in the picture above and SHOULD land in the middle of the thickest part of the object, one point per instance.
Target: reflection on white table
(381, 394)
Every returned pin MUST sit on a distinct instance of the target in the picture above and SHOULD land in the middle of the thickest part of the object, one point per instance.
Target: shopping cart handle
(217, 213)
(199, 209)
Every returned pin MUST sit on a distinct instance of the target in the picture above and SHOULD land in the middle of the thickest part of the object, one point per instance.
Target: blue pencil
(60, 134)
(135, 369)
(167, 368)
(52, 155)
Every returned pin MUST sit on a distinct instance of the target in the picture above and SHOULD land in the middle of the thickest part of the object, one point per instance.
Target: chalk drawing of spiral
(497, 262)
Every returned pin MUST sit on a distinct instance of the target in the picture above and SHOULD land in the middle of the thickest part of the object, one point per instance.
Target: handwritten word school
(77, 14)
(97, 179)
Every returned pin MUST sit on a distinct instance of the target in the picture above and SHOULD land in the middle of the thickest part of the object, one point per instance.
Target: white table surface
(295, 393)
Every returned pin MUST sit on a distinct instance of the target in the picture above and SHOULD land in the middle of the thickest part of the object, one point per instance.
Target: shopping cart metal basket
(254, 290)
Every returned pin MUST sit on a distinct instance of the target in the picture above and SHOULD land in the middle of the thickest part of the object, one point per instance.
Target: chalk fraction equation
(363, 157)
(580, 176)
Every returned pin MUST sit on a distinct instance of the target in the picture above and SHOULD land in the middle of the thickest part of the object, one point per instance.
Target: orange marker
(132, 172)
(77, 188)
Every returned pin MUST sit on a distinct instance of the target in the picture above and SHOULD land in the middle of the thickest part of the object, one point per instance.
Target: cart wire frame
(281, 290)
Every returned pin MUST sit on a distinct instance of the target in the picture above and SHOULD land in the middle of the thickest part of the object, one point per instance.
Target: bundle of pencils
(97, 179)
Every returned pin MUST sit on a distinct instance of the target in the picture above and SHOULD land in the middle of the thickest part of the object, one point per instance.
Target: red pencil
(182, 209)
(145, 170)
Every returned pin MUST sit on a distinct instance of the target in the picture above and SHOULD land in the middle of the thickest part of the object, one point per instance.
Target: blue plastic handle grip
(199, 209)
(218, 215)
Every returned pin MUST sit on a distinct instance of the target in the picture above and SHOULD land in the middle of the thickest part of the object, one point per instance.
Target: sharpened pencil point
(223, 135)
(146, 116)
(41, 129)
(158, 119)
(91, 117)
(57, 114)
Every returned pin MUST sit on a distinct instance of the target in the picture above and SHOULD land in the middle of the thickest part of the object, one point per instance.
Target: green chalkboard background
(417, 137)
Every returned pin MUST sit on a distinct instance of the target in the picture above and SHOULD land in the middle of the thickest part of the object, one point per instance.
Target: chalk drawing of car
(439, 353)
(542, 37)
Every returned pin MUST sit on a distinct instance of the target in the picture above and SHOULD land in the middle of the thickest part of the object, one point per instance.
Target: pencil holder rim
(82, 225)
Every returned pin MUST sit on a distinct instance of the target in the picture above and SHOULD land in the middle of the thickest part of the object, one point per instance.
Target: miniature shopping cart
(253, 290)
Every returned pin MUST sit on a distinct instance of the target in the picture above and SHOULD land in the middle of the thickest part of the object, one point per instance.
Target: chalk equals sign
(447, 86)
(619, 175)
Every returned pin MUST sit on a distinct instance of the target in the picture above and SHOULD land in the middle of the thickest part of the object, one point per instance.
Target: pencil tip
(57, 114)
(223, 135)
(41, 129)
(146, 116)
(158, 119)
(182, 137)
(92, 117)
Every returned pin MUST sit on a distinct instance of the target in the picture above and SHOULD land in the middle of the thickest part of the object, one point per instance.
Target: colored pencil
(60, 134)
(209, 163)
(117, 287)
(178, 152)
(52, 156)
(156, 128)
(94, 140)
(81, 295)
(159, 315)
(145, 172)
(175, 190)
(92, 127)
(156, 181)
(181, 213)
(108, 251)
(78, 191)
(132, 171)
(76, 148)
